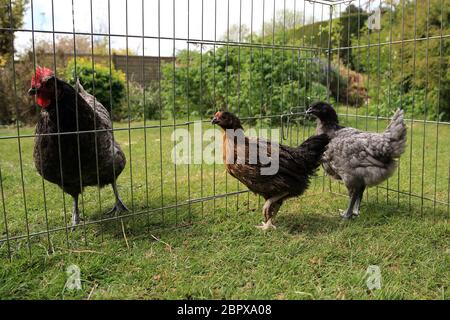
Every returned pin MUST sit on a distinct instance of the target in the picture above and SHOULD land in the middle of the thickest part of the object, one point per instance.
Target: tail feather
(311, 151)
(396, 131)
(78, 84)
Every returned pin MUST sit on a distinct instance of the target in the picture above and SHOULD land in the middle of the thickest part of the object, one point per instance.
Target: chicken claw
(266, 225)
(346, 215)
(118, 208)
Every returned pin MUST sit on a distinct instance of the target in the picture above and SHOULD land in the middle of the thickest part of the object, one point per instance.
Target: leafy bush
(108, 88)
(249, 81)
(137, 97)
(6, 112)
(16, 103)
(415, 74)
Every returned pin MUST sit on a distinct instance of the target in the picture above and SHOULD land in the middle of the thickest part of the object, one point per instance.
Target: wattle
(43, 102)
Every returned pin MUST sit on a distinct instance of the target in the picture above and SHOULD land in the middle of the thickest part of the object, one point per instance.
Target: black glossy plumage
(46, 150)
(83, 154)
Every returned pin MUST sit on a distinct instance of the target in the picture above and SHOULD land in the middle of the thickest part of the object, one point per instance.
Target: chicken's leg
(75, 212)
(358, 201)
(347, 214)
(119, 206)
(270, 209)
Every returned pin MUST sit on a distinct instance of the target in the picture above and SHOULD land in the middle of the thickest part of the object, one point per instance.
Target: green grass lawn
(211, 249)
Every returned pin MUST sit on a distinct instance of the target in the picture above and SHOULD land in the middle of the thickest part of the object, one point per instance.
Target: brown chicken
(277, 173)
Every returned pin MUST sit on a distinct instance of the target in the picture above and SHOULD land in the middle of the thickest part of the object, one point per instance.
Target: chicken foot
(270, 209)
(119, 206)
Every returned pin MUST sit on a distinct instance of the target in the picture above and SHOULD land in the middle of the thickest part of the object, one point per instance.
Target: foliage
(345, 30)
(143, 102)
(13, 80)
(262, 81)
(10, 17)
(315, 34)
(16, 104)
(108, 87)
(285, 20)
(270, 81)
(413, 74)
(248, 81)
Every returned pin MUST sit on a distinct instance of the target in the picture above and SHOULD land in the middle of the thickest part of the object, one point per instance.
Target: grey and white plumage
(360, 159)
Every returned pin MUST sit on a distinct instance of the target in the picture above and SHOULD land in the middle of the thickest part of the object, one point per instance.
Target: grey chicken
(88, 158)
(360, 159)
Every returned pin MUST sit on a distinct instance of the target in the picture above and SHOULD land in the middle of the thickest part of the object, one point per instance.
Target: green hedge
(108, 87)
(415, 74)
(248, 81)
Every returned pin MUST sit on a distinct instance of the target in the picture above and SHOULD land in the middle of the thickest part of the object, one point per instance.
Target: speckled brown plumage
(296, 165)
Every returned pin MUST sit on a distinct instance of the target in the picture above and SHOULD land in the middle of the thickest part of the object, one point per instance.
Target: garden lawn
(211, 248)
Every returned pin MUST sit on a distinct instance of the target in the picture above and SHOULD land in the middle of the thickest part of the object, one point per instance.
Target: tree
(244, 80)
(12, 107)
(236, 33)
(348, 26)
(10, 17)
(413, 74)
(64, 45)
(284, 21)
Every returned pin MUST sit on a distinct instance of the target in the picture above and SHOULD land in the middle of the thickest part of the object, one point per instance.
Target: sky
(193, 19)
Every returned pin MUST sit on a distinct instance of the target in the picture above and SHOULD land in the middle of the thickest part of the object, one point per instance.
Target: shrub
(137, 96)
(7, 110)
(416, 72)
(16, 103)
(108, 88)
(253, 82)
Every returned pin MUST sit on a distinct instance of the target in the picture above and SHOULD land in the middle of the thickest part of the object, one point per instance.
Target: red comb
(41, 73)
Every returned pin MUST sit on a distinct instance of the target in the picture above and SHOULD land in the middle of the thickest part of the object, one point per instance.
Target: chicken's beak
(310, 111)
(215, 120)
(32, 91)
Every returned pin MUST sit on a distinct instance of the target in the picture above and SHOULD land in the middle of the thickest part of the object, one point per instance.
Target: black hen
(92, 156)
(244, 162)
(360, 159)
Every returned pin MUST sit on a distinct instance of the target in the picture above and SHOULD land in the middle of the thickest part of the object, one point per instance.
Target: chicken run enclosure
(366, 58)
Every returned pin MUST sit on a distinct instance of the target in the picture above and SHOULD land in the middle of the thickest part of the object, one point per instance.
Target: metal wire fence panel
(162, 67)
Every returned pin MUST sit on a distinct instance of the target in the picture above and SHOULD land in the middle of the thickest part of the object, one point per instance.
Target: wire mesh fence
(273, 58)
